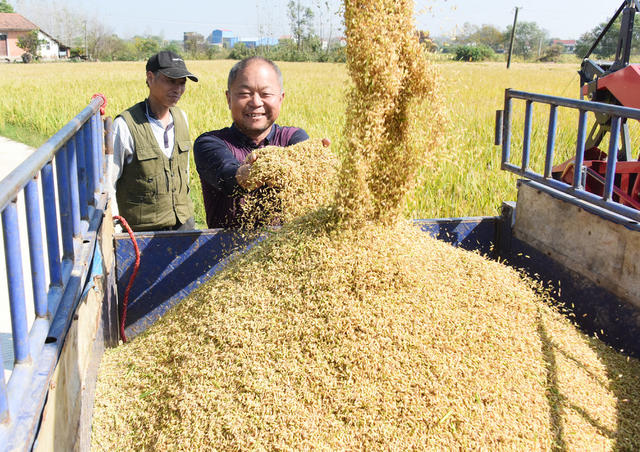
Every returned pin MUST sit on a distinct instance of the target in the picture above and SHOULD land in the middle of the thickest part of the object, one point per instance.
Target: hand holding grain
(243, 174)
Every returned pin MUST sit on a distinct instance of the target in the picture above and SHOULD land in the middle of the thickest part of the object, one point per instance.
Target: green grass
(23, 135)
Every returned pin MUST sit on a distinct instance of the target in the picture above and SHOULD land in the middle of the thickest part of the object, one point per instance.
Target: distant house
(252, 43)
(223, 38)
(13, 26)
(192, 36)
(228, 39)
(568, 44)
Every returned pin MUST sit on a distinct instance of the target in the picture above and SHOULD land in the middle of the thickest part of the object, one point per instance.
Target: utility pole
(513, 33)
(539, 47)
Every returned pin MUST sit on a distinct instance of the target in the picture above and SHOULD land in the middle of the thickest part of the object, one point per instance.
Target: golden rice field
(463, 180)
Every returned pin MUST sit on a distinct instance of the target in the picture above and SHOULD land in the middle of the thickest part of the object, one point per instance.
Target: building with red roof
(13, 26)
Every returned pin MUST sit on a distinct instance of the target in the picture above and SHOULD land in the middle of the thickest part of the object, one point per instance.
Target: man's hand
(243, 175)
(326, 142)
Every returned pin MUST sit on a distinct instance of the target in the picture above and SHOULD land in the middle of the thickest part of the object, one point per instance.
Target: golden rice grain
(300, 178)
(392, 81)
(374, 338)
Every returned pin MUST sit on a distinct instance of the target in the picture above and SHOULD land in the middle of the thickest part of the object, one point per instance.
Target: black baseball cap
(170, 64)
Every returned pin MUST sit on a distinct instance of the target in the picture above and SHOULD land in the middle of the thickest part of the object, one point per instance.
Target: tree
(609, 43)
(552, 53)
(300, 19)
(30, 43)
(240, 51)
(468, 30)
(99, 40)
(5, 7)
(528, 38)
(146, 46)
(194, 44)
(487, 35)
(122, 50)
(325, 19)
(474, 53)
(172, 46)
(88, 36)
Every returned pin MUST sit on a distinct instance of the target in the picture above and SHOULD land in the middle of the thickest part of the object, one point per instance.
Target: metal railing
(577, 188)
(70, 169)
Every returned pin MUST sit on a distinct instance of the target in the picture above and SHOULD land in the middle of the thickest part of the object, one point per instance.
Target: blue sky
(565, 19)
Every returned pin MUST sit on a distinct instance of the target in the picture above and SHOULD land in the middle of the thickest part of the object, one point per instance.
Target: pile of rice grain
(368, 338)
(349, 329)
(299, 178)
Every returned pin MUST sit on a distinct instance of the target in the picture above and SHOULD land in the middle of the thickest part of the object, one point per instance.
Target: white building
(13, 26)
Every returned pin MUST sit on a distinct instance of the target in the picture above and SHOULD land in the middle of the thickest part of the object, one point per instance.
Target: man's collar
(249, 142)
(150, 112)
(152, 115)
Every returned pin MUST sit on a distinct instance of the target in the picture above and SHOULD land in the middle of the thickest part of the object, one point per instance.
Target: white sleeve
(188, 160)
(122, 155)
(184, 115)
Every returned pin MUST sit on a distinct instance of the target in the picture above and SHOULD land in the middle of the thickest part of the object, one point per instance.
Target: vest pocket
(145, 189)
(183, 145)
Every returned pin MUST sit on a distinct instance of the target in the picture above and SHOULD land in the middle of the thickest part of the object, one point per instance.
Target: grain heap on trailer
(347, 326)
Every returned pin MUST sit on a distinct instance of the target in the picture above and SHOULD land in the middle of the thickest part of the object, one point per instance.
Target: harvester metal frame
(605, 202)
(608, 82)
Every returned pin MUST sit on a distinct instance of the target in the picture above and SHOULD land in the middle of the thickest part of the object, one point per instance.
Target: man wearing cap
(149, 175)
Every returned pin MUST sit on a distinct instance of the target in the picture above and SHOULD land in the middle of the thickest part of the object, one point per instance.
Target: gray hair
(242, 65)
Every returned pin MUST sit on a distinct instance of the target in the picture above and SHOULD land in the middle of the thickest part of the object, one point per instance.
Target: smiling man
(149, 173)
(224, 157)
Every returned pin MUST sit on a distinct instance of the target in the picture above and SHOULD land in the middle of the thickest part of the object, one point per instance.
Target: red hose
(136, 266)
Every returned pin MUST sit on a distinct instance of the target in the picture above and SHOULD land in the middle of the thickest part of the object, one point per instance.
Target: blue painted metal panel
(29, 384)
(526, 144)
(172, 264)
(612, 158)
(90, 162)
(72, 161)
(82, 176)
(578, 182)
(33, 164)
(51, 225)
(551, 140)
(470, 233)
(98, 141)
(64, 203)
(36, 250)
(17, 302)
(36, 346)
(577, 187)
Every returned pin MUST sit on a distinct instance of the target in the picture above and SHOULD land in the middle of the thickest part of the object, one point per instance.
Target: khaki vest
(153, 192)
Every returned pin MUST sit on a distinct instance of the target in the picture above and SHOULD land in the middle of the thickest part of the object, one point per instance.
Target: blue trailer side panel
(469, 233)
(172, 265)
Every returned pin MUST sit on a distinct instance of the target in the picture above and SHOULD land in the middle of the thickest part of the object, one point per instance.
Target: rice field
(461, 179)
